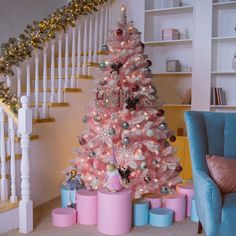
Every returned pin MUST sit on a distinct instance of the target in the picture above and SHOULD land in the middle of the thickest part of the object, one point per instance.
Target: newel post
(26, 205)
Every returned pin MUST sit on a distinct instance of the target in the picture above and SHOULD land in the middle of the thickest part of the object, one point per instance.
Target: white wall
(15, 15)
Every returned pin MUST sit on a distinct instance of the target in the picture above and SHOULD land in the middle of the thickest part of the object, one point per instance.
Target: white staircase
(57, 83)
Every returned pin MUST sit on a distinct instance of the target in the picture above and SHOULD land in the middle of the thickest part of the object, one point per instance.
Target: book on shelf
(217, 96)
(187, 97)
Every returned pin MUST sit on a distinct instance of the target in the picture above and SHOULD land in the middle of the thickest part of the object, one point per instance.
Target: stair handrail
(19, 49)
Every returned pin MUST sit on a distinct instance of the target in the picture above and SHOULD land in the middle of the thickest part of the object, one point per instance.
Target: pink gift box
(169, 34)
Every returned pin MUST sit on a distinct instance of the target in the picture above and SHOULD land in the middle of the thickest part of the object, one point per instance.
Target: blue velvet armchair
(212, 133)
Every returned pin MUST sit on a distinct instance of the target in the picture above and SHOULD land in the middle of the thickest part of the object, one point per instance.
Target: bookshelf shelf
(170, 42)
(223, 72)
(224, 39)
(180, 106)
(223, 106)
(224, 5)
(170, 11)
(172, 74)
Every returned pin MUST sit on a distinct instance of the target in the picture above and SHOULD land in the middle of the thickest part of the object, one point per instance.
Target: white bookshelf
(223, 48)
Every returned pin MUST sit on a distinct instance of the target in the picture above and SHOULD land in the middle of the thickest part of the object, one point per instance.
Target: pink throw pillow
(223, 172)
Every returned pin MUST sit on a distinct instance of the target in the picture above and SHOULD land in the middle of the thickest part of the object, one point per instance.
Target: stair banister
(45, 77)
(52, 95)
(90, 50)
(73, 59)
(13, 197)
(79, 43)
(59, 92)
(4, 186)
(66, 59)
(36, 93)
(25, 129)
(95, 57)
(18, 74)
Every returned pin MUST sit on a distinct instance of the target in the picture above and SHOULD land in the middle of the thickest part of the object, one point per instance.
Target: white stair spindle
(45, 105)
(95, 47)
(36, 94)
(106, 22)
(13, 196)
(73, 59)
(59, 92)
(28, 89)
(18, 74)
(79, 50)
(101, 33)
(90, 49)
(8, 81)
(85, 46)
(26, 205)
(109, 16)
(3, 181)
(52, 71)
(66, 59)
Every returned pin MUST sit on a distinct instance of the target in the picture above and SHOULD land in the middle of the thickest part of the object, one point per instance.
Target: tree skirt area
(44, 227)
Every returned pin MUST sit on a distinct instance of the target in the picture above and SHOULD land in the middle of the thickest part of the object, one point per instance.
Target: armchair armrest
(208, 201)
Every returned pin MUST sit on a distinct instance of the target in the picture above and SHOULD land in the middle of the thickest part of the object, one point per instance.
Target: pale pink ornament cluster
(152, 162)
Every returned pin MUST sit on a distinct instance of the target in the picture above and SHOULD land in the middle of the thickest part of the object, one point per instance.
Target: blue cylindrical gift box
(194, 216)
(140, 212)
(68, 196)
(161, 217)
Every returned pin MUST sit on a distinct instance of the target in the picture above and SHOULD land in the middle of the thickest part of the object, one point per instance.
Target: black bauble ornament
(82, 141)
(165, 144)
(105, 47)
(162, 126)
(92, 154)
(142, 45)
(125, 125)
(160, 112)
(149, 63)
(97, 118)
(179, 169)
(85, 119)
(112, 131)
(119, 32)
(172, 138)
(147, 179)
(135, 88)
(126, 140)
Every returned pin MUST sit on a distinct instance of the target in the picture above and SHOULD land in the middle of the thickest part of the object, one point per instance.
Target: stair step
(43, 120)
(7, 205)
(17, 139)
(55, 90)
(99, 53)
(17, 157)
(86, 77)
(63, 77)
(70, 64)
(72, 90)
(7, 177)
(52, 104)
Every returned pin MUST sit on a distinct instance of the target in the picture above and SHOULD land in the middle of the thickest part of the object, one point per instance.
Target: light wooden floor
(44, 227)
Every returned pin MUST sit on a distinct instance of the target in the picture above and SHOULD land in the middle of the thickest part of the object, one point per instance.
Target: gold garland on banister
(18, 49)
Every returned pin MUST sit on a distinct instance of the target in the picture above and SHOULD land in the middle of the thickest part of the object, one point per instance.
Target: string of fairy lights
(19, 49)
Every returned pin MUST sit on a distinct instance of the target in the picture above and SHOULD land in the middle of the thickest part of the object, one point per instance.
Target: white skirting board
(9, 220)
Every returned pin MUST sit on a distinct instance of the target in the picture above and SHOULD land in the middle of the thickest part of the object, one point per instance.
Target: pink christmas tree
(125, 123)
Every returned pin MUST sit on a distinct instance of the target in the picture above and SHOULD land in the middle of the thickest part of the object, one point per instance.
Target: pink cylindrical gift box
(63, 217)
(154, 199)
(177, 203)
(114, 212)
(188, 190)
(87, 207)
